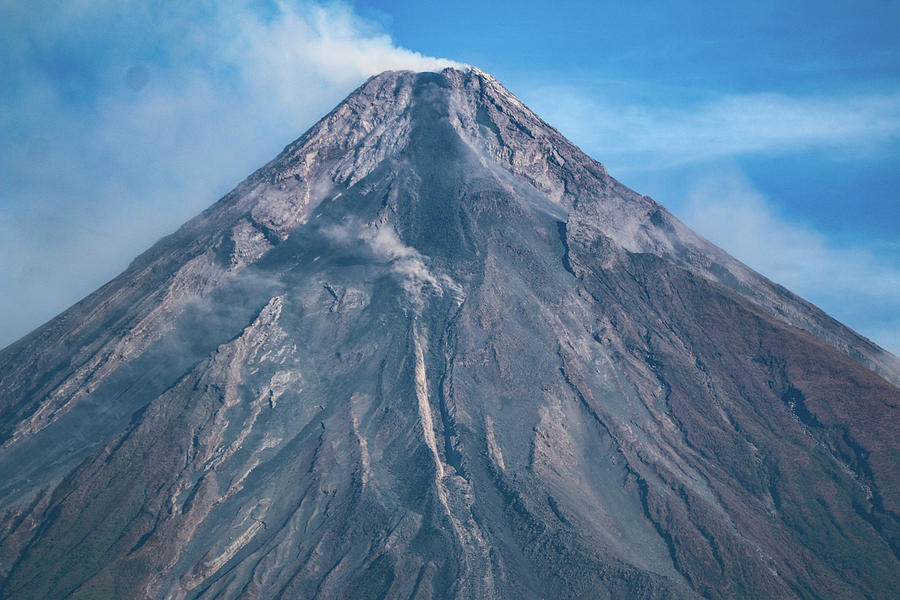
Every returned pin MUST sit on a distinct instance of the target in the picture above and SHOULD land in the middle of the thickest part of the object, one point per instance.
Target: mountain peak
(433, 349)
(470, 110)
(377, 119)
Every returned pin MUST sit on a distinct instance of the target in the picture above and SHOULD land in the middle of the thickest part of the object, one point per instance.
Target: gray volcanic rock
(433, 350)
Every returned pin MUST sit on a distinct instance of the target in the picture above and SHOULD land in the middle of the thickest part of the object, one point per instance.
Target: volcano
(433, 350)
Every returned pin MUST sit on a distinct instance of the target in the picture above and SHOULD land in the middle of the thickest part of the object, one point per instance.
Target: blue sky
(773, 128)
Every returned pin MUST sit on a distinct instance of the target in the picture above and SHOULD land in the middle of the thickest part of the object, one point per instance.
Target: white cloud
(404, 261)
(679, 133)
(328, 43)
(853, 283)
(101, 162)
(857, 283)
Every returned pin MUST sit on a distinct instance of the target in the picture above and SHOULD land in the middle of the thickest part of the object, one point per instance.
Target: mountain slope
(434, 350)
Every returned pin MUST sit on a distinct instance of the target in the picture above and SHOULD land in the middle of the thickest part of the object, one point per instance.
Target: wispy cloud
(122, 121)
(668, 134)
(405, 262)
(695, 132)
(853, 283)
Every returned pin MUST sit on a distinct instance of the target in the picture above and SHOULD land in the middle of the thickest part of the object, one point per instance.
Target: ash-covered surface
(432, 350)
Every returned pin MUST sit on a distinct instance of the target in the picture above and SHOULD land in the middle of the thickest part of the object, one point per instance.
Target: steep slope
(433, 350)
